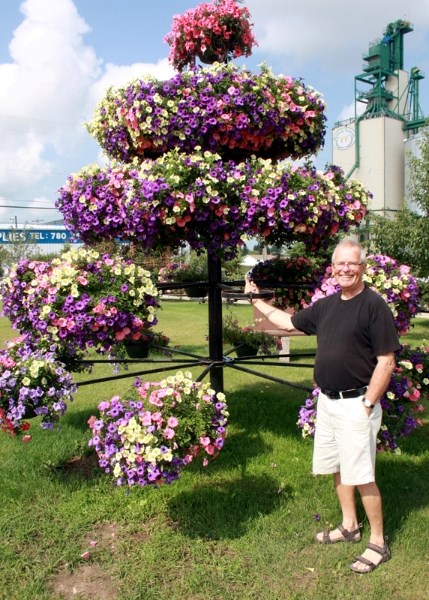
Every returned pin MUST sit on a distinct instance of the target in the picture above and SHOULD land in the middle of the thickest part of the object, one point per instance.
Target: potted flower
(215, 31)
(194, 270)
(150, 435)
(150, 342)
(167, 274)
(247, 340)
(33, 383)
(82, 298)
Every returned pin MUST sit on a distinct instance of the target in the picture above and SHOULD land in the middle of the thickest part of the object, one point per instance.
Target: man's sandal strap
(366, 561)
(348, 535)
(379, 549)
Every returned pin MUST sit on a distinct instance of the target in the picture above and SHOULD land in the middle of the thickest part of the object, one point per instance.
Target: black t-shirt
(350, 335)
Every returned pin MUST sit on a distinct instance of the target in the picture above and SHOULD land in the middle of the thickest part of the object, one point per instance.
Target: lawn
(242, 528)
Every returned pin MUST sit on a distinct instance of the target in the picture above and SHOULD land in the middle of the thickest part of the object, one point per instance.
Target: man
(356, 341)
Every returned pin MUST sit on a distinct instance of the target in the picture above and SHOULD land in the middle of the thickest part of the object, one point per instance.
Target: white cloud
(333, 33)
(51, 69)
(23, 161)
(115, 75)
(42, 94)
(348, 111)
(47, 91)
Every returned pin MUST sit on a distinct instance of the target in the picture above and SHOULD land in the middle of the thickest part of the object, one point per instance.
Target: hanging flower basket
(136, 349)
(208, 203)
(247, 339)
(246, 350)
(215, 31)
(224, 109)
(82, 299)
(196, 291)
(33, 383)
(298, 275)
(150, 342)
(149, 436)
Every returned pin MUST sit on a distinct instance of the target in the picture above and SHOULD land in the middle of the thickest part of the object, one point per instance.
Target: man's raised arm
(279, 318)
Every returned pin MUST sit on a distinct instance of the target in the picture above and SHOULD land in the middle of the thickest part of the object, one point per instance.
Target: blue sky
(57, 57)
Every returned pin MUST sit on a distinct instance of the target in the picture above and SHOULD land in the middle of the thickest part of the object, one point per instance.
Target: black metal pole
(215, 322)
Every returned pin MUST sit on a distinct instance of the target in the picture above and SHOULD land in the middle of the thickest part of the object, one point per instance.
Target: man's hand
(250, 287)
(277, 317)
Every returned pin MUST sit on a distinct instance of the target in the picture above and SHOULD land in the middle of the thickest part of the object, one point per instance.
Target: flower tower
(197, 159)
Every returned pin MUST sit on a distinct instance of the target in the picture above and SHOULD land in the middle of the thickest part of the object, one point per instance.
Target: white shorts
(345, 440)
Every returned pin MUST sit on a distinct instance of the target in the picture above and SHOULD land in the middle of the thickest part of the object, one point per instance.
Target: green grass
(242, 528)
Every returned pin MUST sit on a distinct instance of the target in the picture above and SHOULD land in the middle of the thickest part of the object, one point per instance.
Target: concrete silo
(371, 147)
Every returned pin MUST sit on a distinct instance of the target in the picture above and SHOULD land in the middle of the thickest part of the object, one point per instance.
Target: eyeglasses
(350, 265)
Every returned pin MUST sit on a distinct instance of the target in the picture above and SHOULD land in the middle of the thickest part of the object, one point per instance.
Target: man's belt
(345, 394)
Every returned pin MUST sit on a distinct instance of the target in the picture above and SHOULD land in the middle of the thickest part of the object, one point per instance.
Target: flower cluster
(226, 109)
(219, 31)
(235, 334)
(159, 428)
(167, 273)
(209, 203)
(408, 386)
(32, 382)
(392, 281)
(80, 298)
(398, 287)
(308, 414)
(296, 276)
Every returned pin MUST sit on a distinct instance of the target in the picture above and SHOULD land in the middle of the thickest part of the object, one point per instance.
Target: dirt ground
(88, 581)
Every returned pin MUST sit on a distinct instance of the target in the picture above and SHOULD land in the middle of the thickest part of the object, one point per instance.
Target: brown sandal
(384, 552)
(348, 536)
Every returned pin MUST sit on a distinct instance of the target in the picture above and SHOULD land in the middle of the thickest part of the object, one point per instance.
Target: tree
(418, 187)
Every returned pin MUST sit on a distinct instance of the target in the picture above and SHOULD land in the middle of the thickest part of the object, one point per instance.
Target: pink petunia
(146, 418)
(169, 433)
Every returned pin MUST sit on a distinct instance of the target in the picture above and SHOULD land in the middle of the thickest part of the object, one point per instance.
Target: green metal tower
(384, 94)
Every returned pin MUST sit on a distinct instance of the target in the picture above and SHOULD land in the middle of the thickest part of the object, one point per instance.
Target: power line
(32, 207)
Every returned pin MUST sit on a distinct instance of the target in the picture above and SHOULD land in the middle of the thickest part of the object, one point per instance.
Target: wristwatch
(367, 403)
